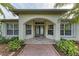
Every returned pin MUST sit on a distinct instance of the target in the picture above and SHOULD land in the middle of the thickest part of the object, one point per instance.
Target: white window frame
(16, 29)
(72, 30)
(51, 29)
(28, 29)
(13, 29)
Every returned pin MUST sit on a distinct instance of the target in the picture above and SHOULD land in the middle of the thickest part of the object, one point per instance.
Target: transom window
(50, 29)
(12, 29)
(39, 22)
(65, 29)
(28, 29)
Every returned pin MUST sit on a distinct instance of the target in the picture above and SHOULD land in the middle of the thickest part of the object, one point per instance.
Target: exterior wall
(0, 28)
(24, 18)
(74, 33)
(57, 31)
(32, 34)
(4, 29)
(27, 17)
(77, 32)
(46, 30)
(54, 19)
(46, 27)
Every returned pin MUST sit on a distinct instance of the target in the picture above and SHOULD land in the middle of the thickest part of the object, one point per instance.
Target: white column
(77, 32)
(21, 32)
(57, 31)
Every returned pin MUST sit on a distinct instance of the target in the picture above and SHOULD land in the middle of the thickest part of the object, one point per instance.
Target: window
(28, 29)
(39, 22)
(62, 29)
(50, 29)
(65, 29)
(16, 31)
(9, 29)
(12, 29)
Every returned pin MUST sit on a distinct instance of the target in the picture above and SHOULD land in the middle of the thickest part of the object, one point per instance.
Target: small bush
(68, 47)
(14, 45)
(3, 40)
(17, 38)
(13, 38)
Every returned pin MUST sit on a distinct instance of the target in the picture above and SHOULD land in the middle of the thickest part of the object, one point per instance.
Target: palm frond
(76, 5)
(74, 11)
(1, 11)
(7, 6)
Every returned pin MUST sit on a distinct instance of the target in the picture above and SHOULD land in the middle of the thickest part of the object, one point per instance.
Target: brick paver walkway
(38, 50)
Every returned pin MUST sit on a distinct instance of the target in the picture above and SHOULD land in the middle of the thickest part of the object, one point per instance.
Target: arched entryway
(39, 27)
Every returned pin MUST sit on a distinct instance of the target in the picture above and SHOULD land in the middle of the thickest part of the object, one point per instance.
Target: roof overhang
(8, 20)
(40, 11)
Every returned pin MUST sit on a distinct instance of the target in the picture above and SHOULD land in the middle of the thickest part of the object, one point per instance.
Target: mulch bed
(5, 52)
(61, 53)
(17, 52)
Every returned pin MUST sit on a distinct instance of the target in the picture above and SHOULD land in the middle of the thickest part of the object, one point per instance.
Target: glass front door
(39, 30)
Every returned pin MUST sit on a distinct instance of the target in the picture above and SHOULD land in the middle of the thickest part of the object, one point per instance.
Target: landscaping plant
(3, 40)
(68, 47)
(13, 38)
(14, 44)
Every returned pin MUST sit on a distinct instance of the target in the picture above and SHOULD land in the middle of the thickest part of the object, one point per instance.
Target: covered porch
(31, 30)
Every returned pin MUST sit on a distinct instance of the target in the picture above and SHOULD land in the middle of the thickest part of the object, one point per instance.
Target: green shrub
(17, 38)
(3, 40)
(13, 38)
(68, 47)
(14, 45)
